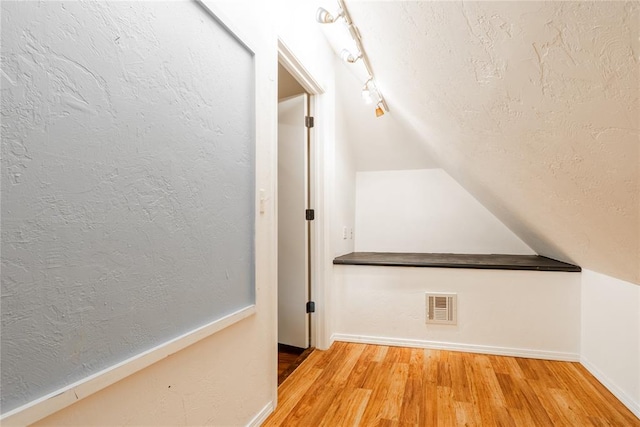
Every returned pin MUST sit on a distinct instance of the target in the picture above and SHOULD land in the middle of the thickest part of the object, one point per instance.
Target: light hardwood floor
(285, 360)
(367, 385)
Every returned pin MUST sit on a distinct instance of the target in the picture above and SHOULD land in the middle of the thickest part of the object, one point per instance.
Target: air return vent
(442, 308)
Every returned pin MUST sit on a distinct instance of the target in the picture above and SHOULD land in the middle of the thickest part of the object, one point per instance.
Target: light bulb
(323, 16)
(379, 110)
(348, 56)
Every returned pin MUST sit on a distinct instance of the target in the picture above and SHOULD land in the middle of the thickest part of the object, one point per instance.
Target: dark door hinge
(311, 307)
(310, 214)
(308, 121)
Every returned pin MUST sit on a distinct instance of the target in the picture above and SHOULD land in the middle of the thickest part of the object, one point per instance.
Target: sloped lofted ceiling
(531, 106)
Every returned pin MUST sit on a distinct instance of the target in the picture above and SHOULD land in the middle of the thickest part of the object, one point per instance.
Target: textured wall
(127, 184)
(531, 106)
(426, 211)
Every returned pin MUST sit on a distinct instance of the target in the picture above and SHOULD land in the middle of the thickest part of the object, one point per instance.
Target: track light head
(324, 17)
(348, 56)
(370, 92)
(366, 96)
(379, 110)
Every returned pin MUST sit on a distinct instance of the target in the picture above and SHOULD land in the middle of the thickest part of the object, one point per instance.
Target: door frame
(316, 168)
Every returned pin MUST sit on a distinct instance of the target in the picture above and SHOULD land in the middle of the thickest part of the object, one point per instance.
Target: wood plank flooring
(285, 360)
(289, 360)
(367, 385)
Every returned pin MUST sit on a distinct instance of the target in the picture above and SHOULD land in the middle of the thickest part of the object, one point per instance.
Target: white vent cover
(442, 308)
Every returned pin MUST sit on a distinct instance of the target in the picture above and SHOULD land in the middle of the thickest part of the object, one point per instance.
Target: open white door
(293, 285)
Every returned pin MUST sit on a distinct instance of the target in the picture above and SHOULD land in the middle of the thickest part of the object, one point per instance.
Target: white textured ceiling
(531, 106)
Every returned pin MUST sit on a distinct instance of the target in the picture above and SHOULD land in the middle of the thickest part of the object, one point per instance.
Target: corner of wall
(610, 335)
(262, 416)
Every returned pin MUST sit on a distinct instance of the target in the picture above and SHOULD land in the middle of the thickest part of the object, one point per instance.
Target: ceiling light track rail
(370, 91)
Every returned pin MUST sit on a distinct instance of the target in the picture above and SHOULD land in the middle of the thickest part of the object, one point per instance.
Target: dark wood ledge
(481, 261)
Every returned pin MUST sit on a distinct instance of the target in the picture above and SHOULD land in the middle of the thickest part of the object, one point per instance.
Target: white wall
(426, 211)
(610, 335)
(345, 187)
(526, 313)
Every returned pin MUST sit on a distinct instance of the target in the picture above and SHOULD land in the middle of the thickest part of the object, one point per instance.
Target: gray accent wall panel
(128, 178)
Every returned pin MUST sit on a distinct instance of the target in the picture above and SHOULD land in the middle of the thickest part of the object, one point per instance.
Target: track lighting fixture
(348, 56)
(370, 92)
(324, 17)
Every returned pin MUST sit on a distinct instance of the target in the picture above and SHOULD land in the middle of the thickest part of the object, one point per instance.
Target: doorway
(294, 228)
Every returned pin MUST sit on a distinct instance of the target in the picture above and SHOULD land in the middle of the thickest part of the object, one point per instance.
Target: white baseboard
(612, 387)
(60, 399)
(469, 348)
(262, 415)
